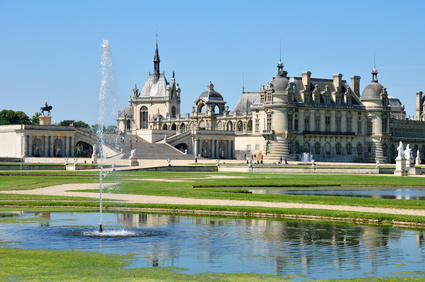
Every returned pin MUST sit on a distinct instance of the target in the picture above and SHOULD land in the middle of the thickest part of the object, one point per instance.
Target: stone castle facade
(328, 118)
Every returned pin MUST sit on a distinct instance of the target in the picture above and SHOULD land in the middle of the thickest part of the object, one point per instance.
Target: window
(349, 100)
(296, 122)
(328, 123)
(307, 123)
(349, 121)
(369, 127)
(317, 148)
(349, 149)
(328, 148)
(269, 121)
(338, 148)
(384, 125)
(173, 112)
(317, 123)
(338, 124)
(240, 126)
(307, 98)
(290, 117)
(359, 149)
(257, 124)
(144, 117)
(359, 124)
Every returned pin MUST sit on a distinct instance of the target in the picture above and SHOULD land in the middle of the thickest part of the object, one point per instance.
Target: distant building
(291, 115)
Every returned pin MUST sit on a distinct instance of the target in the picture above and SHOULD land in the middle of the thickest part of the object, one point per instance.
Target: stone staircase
(144, 149)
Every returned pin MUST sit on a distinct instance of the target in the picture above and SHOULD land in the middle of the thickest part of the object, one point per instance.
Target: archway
(164, 127)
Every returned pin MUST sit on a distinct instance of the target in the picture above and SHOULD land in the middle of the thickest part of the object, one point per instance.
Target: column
(212, 149)
(301, 121)
(195, 147)
(51, 145)
(30, 146)
(322, 121)
(46, 146)
(72, 145)
(344, 122)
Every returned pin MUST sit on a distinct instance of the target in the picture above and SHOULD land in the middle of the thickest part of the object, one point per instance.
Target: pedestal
(45, 120)
(133, 162)
(400, 167)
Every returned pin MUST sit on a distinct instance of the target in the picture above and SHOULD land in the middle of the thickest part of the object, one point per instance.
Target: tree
(111, 129)
(79, 123)
(12, 117)
(36, 118)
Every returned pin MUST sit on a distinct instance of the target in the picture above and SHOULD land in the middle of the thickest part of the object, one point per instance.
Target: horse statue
(46, 108)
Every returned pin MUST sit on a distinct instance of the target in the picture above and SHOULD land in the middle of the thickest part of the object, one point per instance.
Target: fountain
(104, 91)
(306, 158)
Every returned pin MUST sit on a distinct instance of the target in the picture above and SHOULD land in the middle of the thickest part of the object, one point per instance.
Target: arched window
(359, 149)
(164, 127)
(229, 126)
(173, 127)
(128, 124)
(349, 149)
(182, 128)
(144, 117)
(240, 126)
(249, 126)
(317, 148)
(338, 148)
(173, 112)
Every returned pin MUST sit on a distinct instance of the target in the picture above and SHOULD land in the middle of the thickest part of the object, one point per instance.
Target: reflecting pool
(200, 244)
(397, 193)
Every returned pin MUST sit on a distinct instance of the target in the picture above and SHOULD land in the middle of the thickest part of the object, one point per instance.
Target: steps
(144, 149)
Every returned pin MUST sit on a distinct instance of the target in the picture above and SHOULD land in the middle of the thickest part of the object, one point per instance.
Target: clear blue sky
(50, 50)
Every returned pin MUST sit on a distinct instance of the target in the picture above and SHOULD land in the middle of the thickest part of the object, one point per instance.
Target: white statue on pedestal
(400, 150)
(133, 154)
(408, 152)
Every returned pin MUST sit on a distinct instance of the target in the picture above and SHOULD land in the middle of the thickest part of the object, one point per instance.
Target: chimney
(306, 79)
(355, 84)
(419, 104)
(337, 81)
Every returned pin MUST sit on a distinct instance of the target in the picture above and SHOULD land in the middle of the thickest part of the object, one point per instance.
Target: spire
(374, 71)
(156, 61)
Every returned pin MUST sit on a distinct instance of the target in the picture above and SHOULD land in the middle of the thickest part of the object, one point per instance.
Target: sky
(50, 50)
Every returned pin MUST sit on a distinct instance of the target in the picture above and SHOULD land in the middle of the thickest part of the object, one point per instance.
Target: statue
(400, 150)
(408, 152)
(46, 108)
(133, 154)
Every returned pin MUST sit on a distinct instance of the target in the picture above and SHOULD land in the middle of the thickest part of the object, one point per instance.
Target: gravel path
(64, 190)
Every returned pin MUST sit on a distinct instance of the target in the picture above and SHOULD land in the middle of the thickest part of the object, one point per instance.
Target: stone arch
(37, 147)
(182, 128)
(83, 149)
(205, 149)
(239, 126)
(58, 148)
(249, 126)
(229, 126)
(164, 126)
(200, 108)
(202, 125)
(173, 126)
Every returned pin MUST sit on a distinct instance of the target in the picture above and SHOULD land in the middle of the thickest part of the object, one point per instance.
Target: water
(398, 193)
(200, 244)
(306, 158)
(104, 92)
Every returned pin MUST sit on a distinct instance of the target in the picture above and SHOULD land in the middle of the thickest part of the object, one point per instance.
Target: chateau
(328, 118)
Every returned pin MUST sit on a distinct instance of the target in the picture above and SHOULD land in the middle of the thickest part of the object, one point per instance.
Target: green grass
(74, 265)
(180, 184)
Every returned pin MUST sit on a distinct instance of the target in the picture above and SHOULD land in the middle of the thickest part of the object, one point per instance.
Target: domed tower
(276, 108)
(209, 104)
(375, 100)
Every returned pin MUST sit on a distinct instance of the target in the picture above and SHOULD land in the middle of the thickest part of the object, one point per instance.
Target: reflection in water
(200, 244)
(399, 194)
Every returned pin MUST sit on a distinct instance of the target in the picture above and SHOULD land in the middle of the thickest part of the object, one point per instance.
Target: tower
(156, 62)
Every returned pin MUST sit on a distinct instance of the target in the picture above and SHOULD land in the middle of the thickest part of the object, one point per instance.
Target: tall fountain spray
(104, 91)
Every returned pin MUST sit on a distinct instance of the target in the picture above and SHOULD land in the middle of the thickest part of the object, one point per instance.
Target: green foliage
(79, 123)
(12, 117)
(110, 129)
(36, 118)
